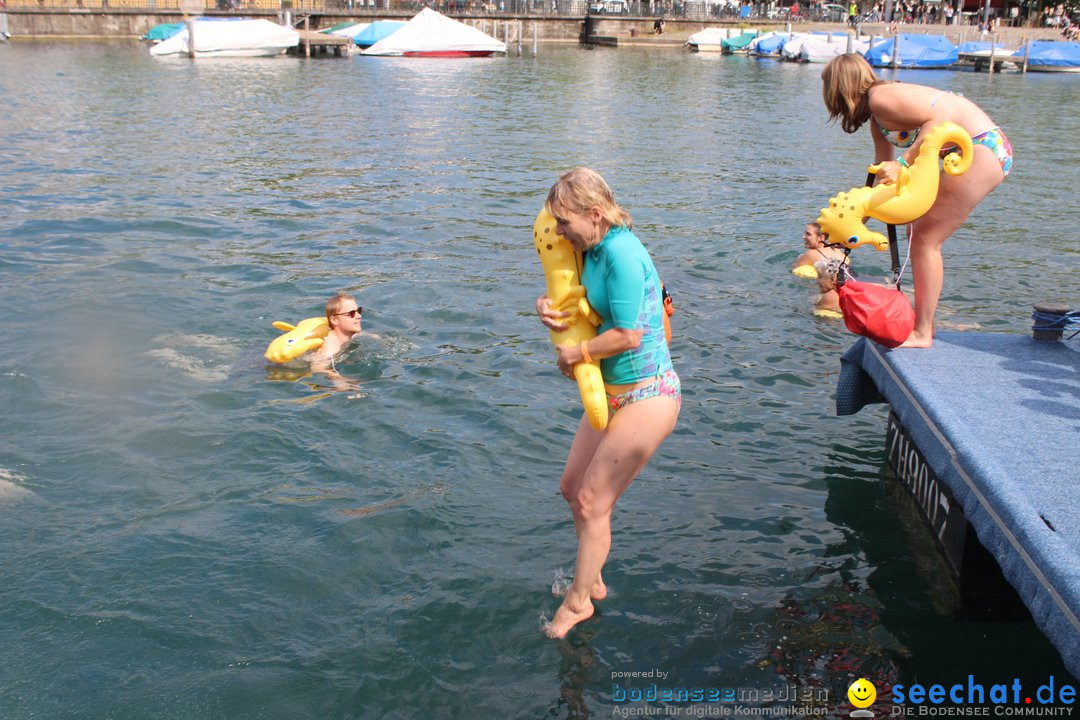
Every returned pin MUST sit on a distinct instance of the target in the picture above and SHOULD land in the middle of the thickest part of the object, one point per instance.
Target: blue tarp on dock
(997, 418)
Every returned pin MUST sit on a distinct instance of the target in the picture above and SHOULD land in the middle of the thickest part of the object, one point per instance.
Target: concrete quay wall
(128, 23)
(131, 23)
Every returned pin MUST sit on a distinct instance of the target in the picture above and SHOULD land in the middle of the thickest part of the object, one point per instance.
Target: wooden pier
(317, 43)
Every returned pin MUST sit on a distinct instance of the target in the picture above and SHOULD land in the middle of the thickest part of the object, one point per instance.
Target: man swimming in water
(344, 317)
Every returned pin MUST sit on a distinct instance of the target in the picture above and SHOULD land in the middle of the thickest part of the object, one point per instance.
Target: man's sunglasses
(352, 313)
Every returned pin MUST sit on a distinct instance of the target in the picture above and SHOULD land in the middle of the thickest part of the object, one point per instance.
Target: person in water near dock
(816, 244)
(899, 114)
(827, 303)
(344, 317)
(644, 393)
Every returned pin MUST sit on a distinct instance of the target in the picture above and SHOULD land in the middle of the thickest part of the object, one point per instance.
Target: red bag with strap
(880, 313)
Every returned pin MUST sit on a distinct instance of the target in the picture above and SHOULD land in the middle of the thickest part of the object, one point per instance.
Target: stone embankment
(677, 31)
(57, 22)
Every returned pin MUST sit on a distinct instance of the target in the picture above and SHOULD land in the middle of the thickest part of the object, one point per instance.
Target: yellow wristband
(902, 161)
(585, 351)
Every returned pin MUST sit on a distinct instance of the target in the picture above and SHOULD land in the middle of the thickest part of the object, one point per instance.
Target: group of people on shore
(622, 285)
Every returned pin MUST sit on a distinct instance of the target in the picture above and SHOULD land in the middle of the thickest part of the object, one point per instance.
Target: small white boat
(709, 39)
(978, 54)
(230, 37)
(816, 48)
(432, 34)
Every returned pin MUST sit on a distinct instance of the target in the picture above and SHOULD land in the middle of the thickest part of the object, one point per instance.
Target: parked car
(834, 13)
(610, 7)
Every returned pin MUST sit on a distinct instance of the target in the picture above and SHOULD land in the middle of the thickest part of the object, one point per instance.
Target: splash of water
(11, 489)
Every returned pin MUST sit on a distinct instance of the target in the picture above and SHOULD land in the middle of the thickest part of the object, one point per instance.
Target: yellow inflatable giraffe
(905, 201)
(297, 340)
(562, 270)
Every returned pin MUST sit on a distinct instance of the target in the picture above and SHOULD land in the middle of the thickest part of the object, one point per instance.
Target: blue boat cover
(916, 51)
(1050, 53)
(376, 31)
(164, 31)
(771, 45)
(997, 418)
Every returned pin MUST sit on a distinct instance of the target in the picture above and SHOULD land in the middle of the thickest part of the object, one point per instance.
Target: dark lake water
(187, 534)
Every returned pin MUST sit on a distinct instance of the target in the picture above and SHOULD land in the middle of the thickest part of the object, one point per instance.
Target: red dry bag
(880, 313)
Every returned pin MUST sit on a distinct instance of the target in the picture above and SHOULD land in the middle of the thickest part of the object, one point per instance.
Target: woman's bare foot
(599, 590)
(567, 616)
(917, 340)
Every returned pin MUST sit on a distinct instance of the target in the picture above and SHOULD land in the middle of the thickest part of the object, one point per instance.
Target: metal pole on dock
(307, 40)
(191, 37)
(534, 38)
(520, 30)
(896, 50)
(993, 49)
(850, 43)
(1027, 49)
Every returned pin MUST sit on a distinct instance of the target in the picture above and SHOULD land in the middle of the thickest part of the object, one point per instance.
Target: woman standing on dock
(644, 394)
(898, 114)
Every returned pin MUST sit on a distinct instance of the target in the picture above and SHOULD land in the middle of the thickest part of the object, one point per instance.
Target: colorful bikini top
(900, 138)
(906, 138)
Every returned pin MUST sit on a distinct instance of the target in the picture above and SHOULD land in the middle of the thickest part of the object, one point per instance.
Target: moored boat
(230, 37)
(376, 31)
(768, 44)
(823, 47)
(1050, 56)
(432, 34)
(979, 54)
(162, 32)
(915, 51)
(708, 40)
(739, 43)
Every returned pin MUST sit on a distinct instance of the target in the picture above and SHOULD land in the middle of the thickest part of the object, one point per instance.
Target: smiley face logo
(862, 693)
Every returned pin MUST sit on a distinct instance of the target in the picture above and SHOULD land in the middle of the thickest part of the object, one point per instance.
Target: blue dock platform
(995, 419)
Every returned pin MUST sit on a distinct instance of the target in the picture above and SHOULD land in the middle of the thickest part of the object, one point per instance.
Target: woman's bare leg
(577, 462)
(957, 197)
(631, 438)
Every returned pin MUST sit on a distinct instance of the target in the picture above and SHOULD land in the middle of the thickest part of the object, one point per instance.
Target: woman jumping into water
(644, 396)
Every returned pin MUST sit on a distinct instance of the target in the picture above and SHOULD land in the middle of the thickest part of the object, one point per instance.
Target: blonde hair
(845, 83)
(581, 189)
(831, 270)
(333, 305)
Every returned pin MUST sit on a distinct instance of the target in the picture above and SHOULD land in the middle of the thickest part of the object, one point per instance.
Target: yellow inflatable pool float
(907, 200)
(805, 271)
(298, 339)
(562, 270)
